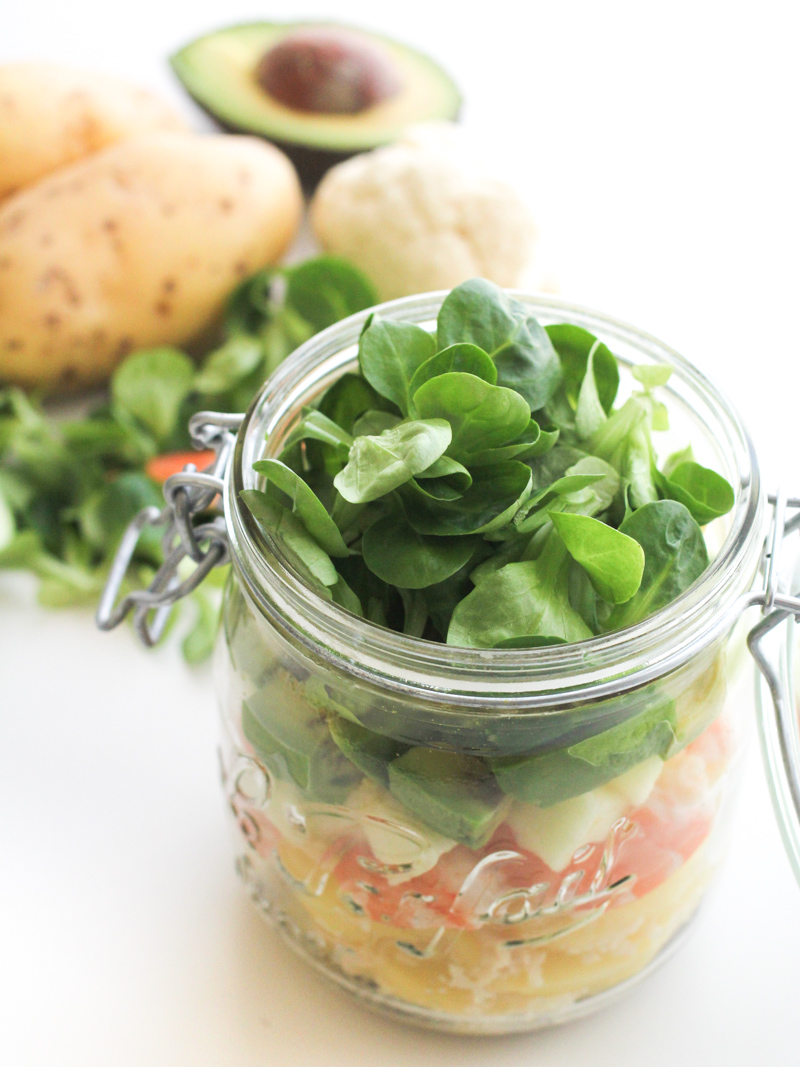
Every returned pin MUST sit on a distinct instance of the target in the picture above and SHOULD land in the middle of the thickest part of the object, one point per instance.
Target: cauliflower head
(418, 215)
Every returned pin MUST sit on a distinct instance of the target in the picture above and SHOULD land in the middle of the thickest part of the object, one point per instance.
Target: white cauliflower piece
(419, 215)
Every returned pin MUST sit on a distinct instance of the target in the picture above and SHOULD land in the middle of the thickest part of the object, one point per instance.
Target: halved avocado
(224, 72)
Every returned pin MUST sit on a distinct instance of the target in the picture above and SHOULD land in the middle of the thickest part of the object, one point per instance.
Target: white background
(658, 147)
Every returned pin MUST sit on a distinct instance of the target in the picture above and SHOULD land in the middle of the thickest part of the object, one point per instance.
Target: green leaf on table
(292, 536)
(7, 524)
(326, 289)
(198, 643)
(481, 415)
(613, 561)
(377, 465)
(466, 358)
(104, 515)
(305, 505)
(675, 556)
(480, 313)
(705, 493)
(228, 365)
(396, 553)
(249, 306)
(150, 387)
(389, 355)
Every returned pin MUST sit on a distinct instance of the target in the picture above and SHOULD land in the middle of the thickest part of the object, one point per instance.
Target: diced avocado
(297, 763)
(550, 777)
(278, 721)
(282, 708)
(246, 78)
(453, 793)
(370, 752)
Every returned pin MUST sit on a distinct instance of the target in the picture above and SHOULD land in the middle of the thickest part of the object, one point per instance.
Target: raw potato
(52, 115)
(138, 245)
(420, 215)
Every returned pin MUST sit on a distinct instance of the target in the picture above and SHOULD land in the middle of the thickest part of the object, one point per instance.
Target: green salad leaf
(675, 555)
(480, 313)
(389, 355)
(377, 465)
(706, 494)
(150, 387)
(476, 485)
(548, 778)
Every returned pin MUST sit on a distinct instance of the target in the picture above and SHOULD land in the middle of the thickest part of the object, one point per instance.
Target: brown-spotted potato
(137, 245)
(51, 115)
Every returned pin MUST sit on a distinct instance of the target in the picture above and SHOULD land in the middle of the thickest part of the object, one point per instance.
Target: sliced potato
(140, 244)
(51, 115)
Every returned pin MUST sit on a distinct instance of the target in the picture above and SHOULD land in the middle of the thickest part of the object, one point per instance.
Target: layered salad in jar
(479, 485)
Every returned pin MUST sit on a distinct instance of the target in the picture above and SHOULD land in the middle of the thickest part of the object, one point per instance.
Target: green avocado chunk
(551, 777)
(370, 752)
(452, 793)
(224, 72)
(277, 726)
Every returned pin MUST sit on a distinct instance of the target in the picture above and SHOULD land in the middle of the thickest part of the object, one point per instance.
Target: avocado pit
(327, 71)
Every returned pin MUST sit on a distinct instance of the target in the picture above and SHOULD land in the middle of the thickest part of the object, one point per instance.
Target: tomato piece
(164, 466)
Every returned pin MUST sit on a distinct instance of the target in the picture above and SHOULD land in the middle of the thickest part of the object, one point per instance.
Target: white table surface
(658, 147)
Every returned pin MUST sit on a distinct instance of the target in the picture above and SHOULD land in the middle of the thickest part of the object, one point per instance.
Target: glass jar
(482, 841)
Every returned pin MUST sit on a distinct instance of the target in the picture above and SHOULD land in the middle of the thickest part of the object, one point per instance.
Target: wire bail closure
(188, 495)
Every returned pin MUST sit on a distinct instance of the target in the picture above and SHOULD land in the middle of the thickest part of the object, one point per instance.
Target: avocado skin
(310, 160)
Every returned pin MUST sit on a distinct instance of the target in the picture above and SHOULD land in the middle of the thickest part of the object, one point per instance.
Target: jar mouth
(540, 678)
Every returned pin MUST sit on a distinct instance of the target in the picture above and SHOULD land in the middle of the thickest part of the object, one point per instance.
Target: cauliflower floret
(417, 216)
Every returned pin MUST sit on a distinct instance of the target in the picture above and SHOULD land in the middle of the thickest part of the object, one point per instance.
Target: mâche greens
(476, 485)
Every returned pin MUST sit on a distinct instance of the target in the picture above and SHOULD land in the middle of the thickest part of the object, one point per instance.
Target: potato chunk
(140, 244)
(51, 115)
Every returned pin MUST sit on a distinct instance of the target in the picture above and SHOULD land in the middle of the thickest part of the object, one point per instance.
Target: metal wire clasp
(778, 730)
(188, 494)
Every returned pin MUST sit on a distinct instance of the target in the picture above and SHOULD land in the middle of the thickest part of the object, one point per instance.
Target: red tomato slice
(162, 467)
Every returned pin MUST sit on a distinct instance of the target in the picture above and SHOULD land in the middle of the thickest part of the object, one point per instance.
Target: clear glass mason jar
(548, 864)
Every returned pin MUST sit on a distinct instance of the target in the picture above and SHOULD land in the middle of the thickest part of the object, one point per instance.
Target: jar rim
(546, 678)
